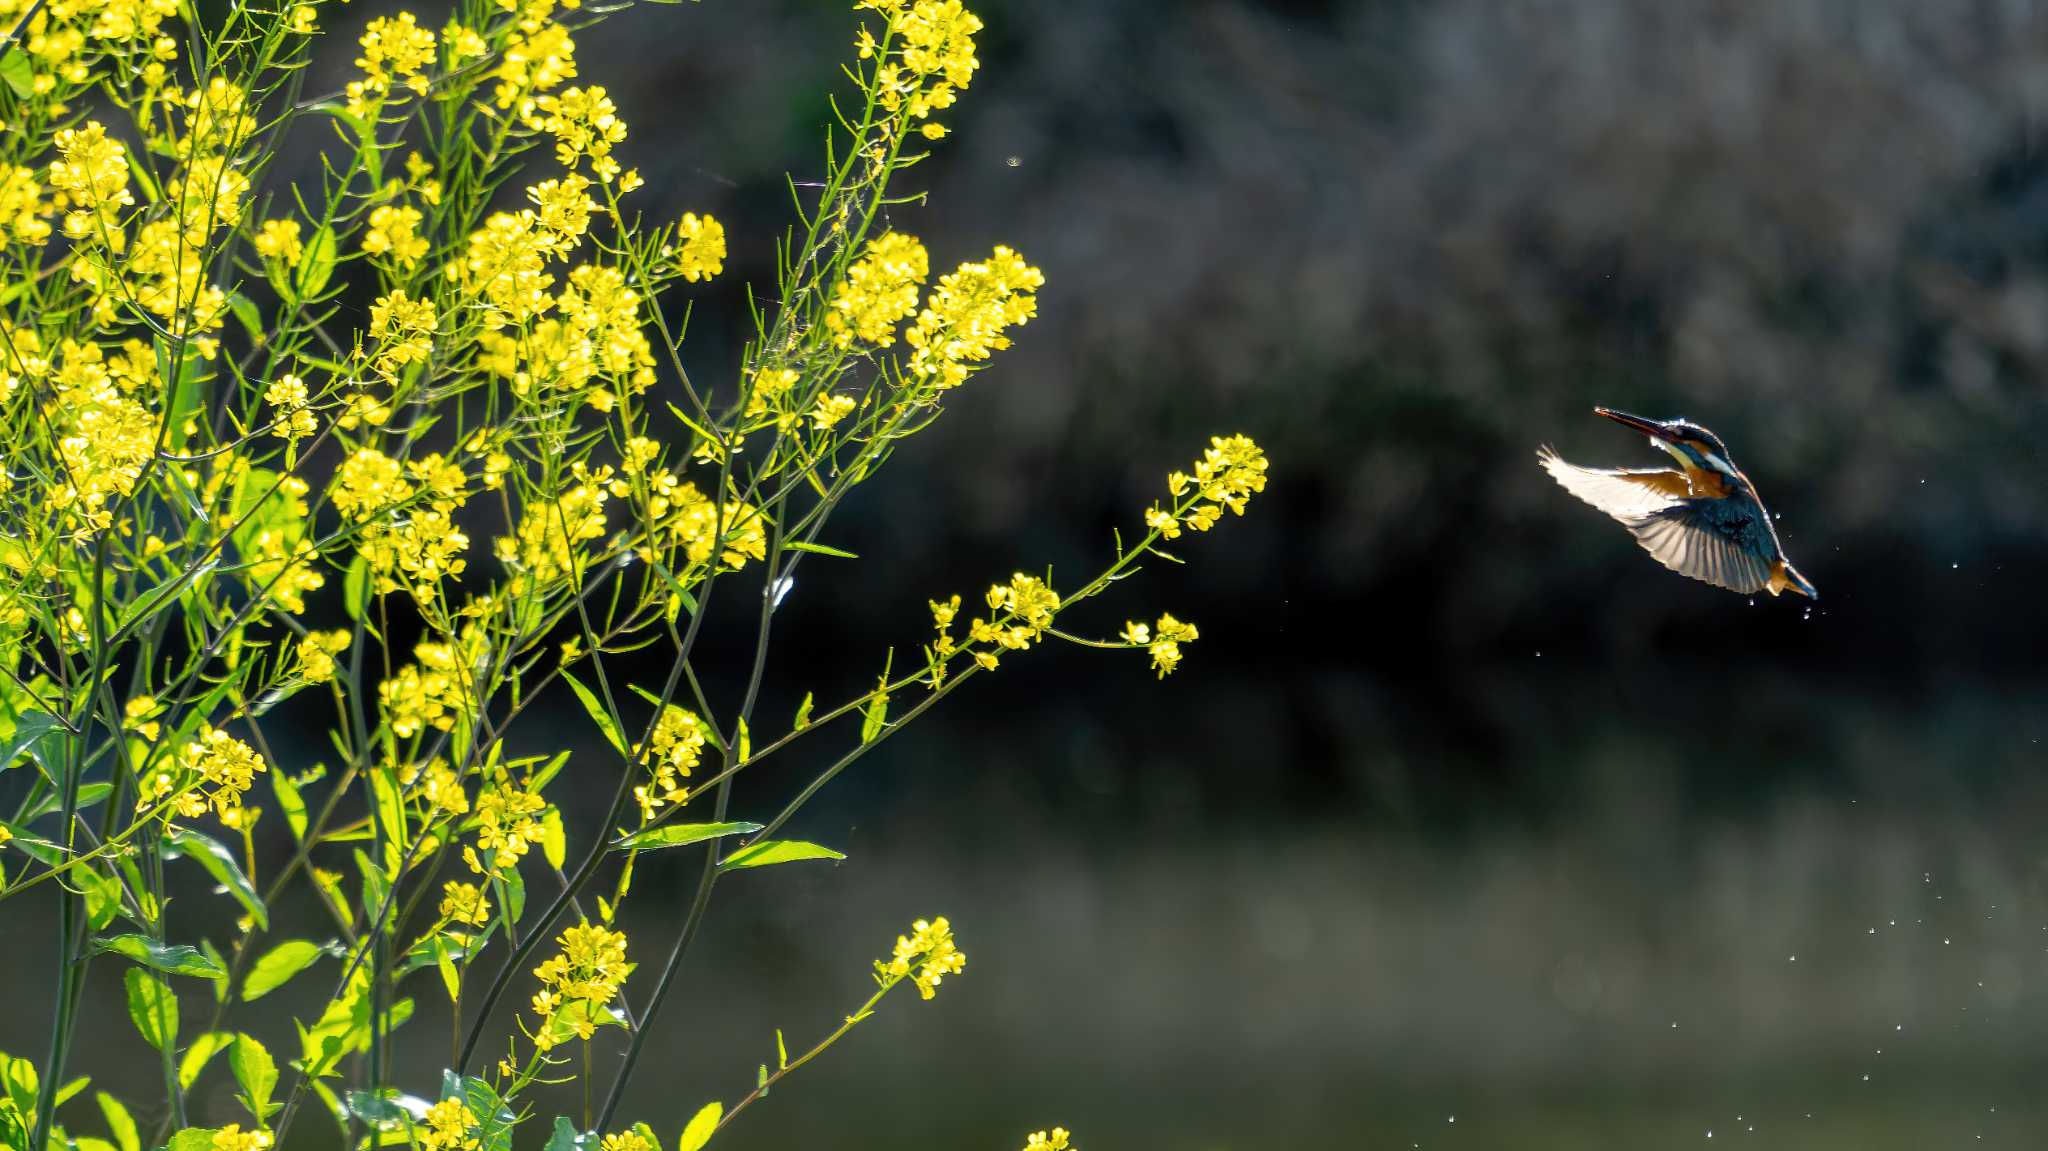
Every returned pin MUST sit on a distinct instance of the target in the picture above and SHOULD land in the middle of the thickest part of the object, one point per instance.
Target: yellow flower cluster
(1227, 475)
(880, 289)
(1055, 1140)
(395, 51)
(586, 126)
(965, 317)
(449, 1126)
(627, 1141)
(430, 692)
(925, 956)
(92, 172)
(700, 250)
(279, 240)
(1019, 614)
(465, 903)
(287, 396)
(366, 483)
(674, 751)
(212, 768)
(508, 823)
(317, 652)
(393, 236)
(927, 55)
(233, 1138)
(1163, 641)
(589, 971)
(104, 436)
(544, 547)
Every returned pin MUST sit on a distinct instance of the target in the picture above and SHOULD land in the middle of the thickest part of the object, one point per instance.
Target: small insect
(1701, 518)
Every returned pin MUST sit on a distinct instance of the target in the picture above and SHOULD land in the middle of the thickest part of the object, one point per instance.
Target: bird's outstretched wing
(1707, 540)
(1627, 494)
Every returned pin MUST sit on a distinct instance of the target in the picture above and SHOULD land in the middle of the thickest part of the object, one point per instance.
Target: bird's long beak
(1650, 428)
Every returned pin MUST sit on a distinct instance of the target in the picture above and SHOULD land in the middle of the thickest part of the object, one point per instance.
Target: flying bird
(1701, 518)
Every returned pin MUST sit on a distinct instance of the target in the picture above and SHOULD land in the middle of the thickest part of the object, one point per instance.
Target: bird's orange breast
(1707, 484)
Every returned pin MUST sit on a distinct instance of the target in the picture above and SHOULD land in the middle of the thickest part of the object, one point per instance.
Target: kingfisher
(1701, 518)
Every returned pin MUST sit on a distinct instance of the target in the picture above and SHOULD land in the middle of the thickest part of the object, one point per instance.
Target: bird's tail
(1788, 578)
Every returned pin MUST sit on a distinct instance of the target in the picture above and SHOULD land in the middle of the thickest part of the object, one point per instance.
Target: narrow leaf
(119, 1122)
(220, 863)
(597, 712)
(172, 959)
(680, 834)
(817, 549)
(768, 852)
(200, 1054)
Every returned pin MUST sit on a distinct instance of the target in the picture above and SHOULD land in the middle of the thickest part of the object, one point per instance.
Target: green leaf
(245, 310)
(29, 727)
(494, 1119)
(16, 71)
(702, 1124)
(71, 1090)
(680, 834)
(153, 1007)
(781, 1051)
(316, 265)
(119, 1122)
(200, 1054)
(355, 588)
(803, 713)
(171, 959)
(291, 803)
(567, 1138)
(192, 1139)
(554, 843)
(597, 713)
(256, 1071)
(102, 898)
(562, 1024)
(875, 716)
(769, 852)
(220, 863)
(277, 967)
(817, 549)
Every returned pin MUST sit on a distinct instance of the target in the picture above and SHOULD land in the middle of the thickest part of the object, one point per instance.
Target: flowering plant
(412, 446)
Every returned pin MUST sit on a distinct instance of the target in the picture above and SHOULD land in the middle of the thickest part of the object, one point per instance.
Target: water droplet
(1454, 1119)
(1014, 161)
(1790, 959)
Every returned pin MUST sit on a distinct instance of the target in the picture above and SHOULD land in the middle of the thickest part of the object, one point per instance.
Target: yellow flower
(316, 654)
(450, 1126)
(880, 289)
(1055, 1140)
(233, 1138)
(394, 231)
(925, 956)
(367, 483)
(589, 970)
(627, 1141)
(23, 211)
(465, 903)
(430, 692)
(677, 747)
(92, 170)
(394, 48)
(830, 410)
(1165, 642)
(965, 316)
(540, 61)
(585, 125)
(702, 252)
(405, 329)
(287, 396)
(212, 767)
(279, 240)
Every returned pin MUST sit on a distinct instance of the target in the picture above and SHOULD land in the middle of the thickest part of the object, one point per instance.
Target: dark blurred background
(1464, 824)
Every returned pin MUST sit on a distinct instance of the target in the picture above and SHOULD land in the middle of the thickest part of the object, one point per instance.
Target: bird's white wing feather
(1625, 493)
